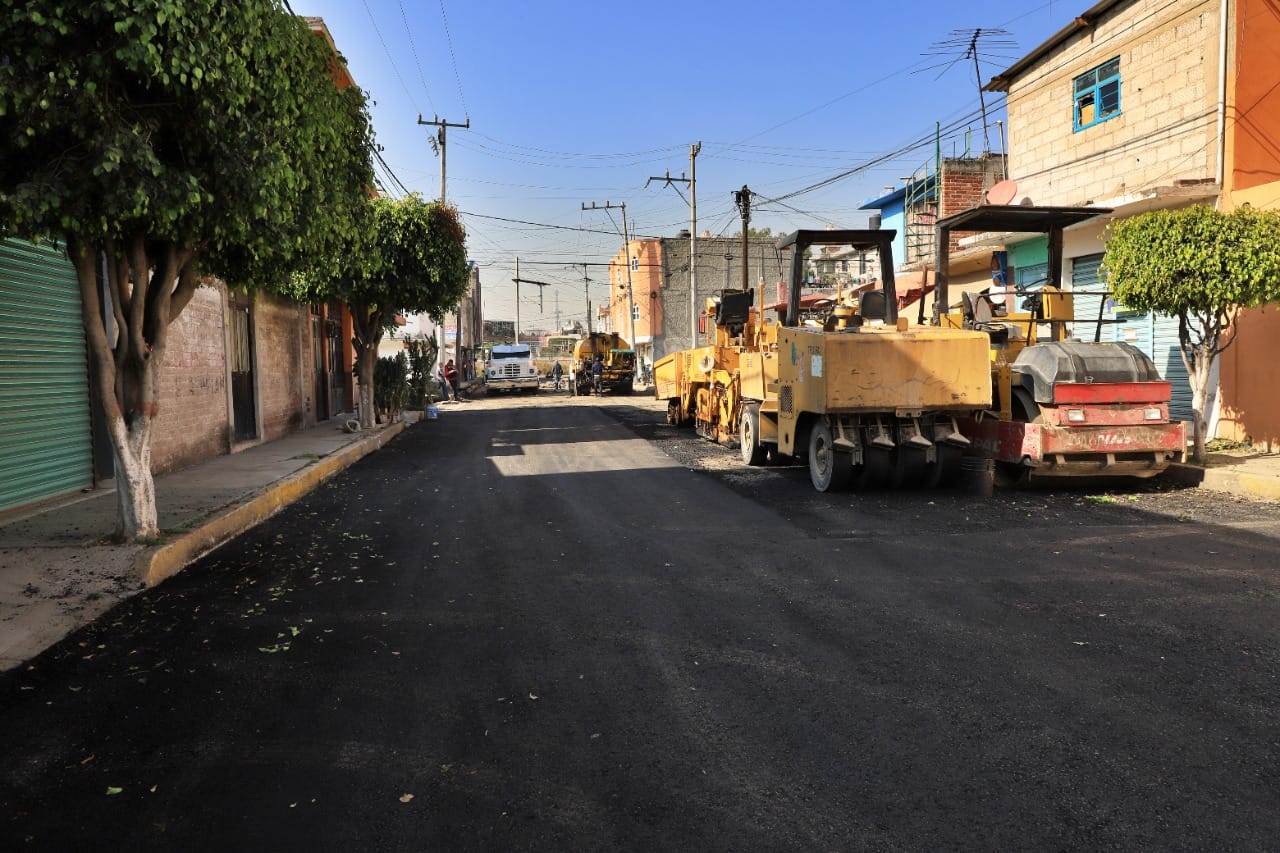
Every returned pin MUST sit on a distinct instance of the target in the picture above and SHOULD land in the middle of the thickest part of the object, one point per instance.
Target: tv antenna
(979, 44)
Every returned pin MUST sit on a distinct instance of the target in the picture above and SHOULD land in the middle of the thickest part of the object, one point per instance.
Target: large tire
(829, 468)
(753, 453)
(876, 470)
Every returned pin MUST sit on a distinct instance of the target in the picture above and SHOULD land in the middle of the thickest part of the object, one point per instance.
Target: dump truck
(1063, 406)
(852, 390)
(618, 359)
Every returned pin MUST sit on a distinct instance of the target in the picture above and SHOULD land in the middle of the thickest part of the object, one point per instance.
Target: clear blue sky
(573, 102)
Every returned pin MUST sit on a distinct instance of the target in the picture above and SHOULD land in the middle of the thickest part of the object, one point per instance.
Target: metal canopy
(1012, 217)
(880, 239)
(859, 238)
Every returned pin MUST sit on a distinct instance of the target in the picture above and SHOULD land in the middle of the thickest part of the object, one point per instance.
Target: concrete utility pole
(692, 181)
(441, 137)
(586, 291)
(626, 262)
(517, 281)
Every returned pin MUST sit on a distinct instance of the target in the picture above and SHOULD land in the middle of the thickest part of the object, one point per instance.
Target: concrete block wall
(1167, 129)
(715, 272)
(191, 424)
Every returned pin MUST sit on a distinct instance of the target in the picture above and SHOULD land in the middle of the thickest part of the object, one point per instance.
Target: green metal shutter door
(45, 437)
(1166, 352)
(1090, 301)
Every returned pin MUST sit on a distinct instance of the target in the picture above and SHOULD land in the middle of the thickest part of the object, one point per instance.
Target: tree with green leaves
(411, 258)
(163, 141)
(1201, 266)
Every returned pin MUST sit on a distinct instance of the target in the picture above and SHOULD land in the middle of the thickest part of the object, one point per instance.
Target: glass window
(1097, 95)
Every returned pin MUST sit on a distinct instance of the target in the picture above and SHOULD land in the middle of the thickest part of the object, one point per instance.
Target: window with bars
(1097, 95)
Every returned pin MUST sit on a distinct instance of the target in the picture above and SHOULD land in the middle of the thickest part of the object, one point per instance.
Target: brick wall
(282, 339)
(191, 424)
(1166, 130)
(965, 182)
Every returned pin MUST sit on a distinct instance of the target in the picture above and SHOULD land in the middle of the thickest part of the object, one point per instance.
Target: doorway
(242, 397)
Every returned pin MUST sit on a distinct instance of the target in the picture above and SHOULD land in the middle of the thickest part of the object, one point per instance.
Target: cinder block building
(1123, 109)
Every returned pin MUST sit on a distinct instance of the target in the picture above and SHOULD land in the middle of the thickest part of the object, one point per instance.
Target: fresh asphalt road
(524, 626)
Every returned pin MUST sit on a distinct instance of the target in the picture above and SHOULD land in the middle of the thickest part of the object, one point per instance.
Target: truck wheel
(876, 470)
(673, 412)
(829, 468)
(753, 453)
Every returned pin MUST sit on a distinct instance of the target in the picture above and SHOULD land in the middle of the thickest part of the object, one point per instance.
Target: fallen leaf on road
(112, 791)
(533, 697)
(404, 798)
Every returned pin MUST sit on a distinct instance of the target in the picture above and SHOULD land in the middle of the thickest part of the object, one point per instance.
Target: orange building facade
(1250, 368)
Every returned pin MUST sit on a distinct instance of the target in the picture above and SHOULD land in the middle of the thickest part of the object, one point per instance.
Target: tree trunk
(365, 358)
(366, 325)
(147, 290)
(1200, 376)
(137, 517)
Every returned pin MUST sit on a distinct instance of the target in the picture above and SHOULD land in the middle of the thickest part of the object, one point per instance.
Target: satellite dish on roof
(1002, 192)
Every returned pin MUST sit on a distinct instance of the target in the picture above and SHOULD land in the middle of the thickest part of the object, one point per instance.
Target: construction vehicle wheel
(945, 471)
(876, 470)
(753, 453)
(829, 468)
(910, 469)
(673, 413)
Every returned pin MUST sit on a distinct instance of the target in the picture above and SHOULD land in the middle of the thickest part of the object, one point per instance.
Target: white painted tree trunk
(136, 514)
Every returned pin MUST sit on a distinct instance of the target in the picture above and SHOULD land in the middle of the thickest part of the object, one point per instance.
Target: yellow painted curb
(152, 565)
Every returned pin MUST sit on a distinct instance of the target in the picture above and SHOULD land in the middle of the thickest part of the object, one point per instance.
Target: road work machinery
(617, 358)
(1062, 406)
(851, 389)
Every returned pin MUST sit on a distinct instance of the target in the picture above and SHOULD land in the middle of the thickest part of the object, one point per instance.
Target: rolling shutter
(1154, 334)
(45, 438)
(1089, 301)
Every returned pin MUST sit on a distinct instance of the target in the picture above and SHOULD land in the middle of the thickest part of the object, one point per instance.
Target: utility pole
(692, 181)
(743, 199)
(539, 284)
(626, 262)
(441, 137)
(586, 291)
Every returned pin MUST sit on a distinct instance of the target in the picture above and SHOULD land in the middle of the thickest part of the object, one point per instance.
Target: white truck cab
(511, 368)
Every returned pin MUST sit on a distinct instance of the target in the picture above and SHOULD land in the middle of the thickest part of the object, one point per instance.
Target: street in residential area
(547, 622)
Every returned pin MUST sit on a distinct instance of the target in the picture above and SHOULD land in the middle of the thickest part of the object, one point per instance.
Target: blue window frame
(1097, 95)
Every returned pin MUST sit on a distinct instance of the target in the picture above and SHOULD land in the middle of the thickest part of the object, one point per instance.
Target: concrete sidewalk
(59, 569)
(1245, 472)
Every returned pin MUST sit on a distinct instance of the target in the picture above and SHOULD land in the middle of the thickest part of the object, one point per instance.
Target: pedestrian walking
(444, 384)
(597, 375)
(451, 374)
(557, 373)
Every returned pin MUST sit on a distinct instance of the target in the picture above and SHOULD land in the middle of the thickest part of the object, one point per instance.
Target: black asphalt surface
(524, 626)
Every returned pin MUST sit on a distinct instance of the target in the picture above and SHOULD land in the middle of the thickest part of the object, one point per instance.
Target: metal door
(319, 382)
(242, 394)
(337, 376)
(46, 444)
